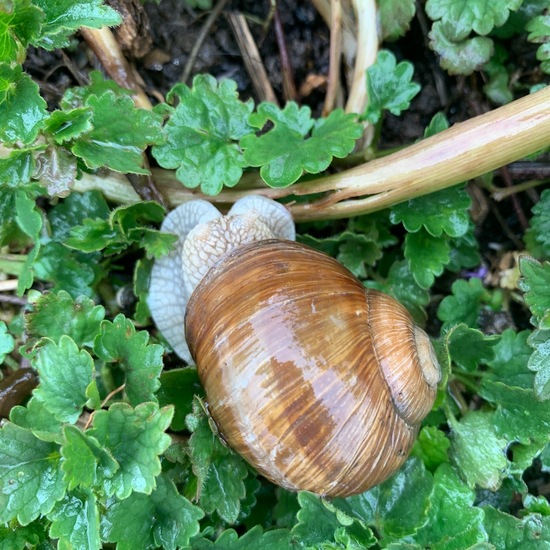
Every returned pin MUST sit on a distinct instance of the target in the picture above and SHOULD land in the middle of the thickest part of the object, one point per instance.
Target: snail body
(319, 383)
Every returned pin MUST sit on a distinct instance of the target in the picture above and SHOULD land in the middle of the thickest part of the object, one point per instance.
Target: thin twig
(251, 57)
(214, 14)
(289, 87)
(520, 214)
(499, 194)
(335, 58)
(107, 50)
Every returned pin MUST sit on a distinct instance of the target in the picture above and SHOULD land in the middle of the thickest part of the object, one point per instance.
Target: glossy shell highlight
(283, 340)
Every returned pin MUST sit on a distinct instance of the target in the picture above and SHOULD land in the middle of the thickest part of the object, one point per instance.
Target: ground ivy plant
(105, 439)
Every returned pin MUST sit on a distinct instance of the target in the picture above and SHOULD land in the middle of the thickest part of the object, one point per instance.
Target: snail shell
(319, 383)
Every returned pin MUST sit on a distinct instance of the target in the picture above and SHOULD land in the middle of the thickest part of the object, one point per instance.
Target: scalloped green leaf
(66, 378)
(389, 86)
(453, 521)
(469, 348)
(135, 438)
(7, 343)
(55, 315)
(395, 17)
(535, 282)
(86, 462)
(465, 303)
(530, 532)
(537, 237)
(519, 415)
(64, 17)
(120, 345)
(462, 56)
(30, 478)
(20, 23)
(22, 109)
(296, 143)
(461, 17)
(163, 519)
(427, 256)
(75, 521)
(203, 132)
(478, 452)
(120, 134)
(320, 521)
(445, 211)
(220, 472)
(398, 506)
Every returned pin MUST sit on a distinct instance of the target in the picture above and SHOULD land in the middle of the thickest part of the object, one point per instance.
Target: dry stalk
(464, 151)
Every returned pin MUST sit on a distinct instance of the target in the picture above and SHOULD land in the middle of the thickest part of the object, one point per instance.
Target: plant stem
(464, 151)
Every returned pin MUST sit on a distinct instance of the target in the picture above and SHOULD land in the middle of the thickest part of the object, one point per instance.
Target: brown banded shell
(319, 383)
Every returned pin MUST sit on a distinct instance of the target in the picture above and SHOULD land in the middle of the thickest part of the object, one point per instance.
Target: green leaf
(356, 251)
(509, 364)
(66, 125)
(16, 537)
(178, 387)
(519, 416)
(539, 362)
(389, 86)
(538, 235)
(36, 418)
(531, 532)
(453, 522)
(135, 438)
(73, 210)
(445, 211)
(17, 168)
(163, 519)
(30, 222)
(275, 539)
(220, 472)
(202, 134)
(20, 22)
(55, 315)
(22, 109)
(396, 508)
(318, 520)
(395, 17)
(75, 521)
(76, 97)
(85, 462)
(465, 303)
(30, 478)
(7, 343)
(432, 446)
(478, 452)
(469, 348)
(539, 33)
(64, 17)
(296, 143)
(427, 256)
(535, 282)
(95, 235)
(459, 56)
(120, 344)
(120, 134)
(67, 270)
(66, 378)
(465, 16)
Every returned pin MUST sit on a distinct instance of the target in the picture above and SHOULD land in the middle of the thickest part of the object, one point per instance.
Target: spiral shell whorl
(286, 358)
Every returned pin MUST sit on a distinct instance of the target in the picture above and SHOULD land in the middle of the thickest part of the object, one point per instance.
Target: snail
(319, 383)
